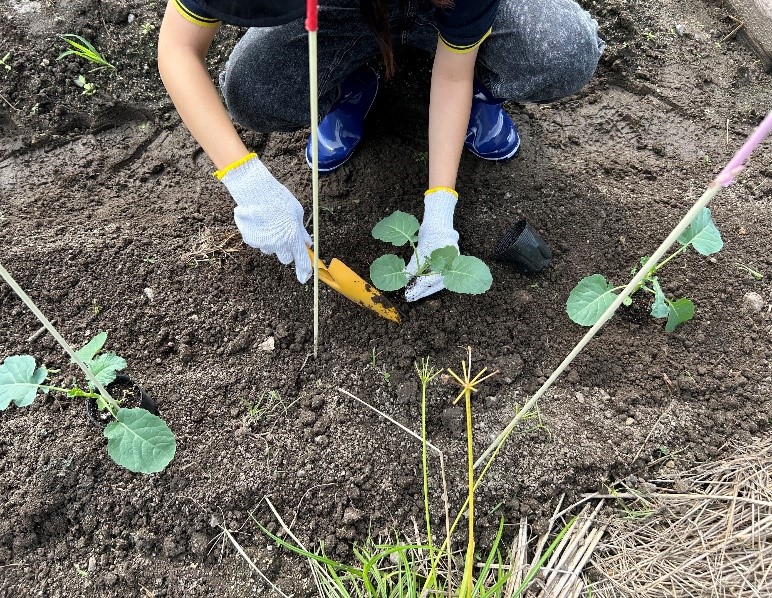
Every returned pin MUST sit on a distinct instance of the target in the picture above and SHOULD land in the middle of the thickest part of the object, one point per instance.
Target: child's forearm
(449, 106)
(182, 47)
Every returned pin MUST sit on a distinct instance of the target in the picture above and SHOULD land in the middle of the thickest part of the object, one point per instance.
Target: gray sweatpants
(539, 51)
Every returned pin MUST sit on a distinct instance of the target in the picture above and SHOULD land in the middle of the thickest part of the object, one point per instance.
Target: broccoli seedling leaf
(106, 367)
(467, 274)
(680, 311)
(441, 258)
(659, 309)
(20, 380)
(388, 273)
(397, 228)
(702, 234)
(140, 441)
(589, 299)
(88, 351)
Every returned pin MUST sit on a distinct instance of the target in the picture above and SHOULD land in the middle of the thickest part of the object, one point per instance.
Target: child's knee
(552, 54)
(257, 98)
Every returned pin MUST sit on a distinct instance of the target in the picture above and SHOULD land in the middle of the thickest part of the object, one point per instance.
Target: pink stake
(737, 163)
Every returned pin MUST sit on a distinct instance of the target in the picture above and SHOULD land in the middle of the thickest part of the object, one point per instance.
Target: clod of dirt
(753, 302)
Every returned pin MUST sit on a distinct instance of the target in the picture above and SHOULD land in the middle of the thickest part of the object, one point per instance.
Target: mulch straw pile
(706, 532)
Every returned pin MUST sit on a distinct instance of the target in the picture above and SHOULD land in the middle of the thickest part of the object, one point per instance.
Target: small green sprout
(380, 369)
(4, 61)
(89, 88)
(81, 47)
(265, 405)
(460, 273)
(754, 273)
(594, 294)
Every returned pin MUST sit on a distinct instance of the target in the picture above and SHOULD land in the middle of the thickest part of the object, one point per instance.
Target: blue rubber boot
(491, 134)
(341, 130)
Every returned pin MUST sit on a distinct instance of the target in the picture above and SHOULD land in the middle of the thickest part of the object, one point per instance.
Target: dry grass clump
(561, 575)
(212, 247)
(706, 533)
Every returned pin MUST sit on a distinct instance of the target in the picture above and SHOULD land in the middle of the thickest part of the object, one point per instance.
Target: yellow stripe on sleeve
(189, 15)
(463, 49)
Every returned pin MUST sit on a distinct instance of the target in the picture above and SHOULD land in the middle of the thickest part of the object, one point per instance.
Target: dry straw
(706, 533)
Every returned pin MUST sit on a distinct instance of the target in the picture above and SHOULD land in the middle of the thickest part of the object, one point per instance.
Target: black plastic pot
(524, 249)
(129, 394)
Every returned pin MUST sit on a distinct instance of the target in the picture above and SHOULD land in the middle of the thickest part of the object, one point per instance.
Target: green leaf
(398, 229)
(467, 274)
(88, 351)
(388, 273)
(702, 234)
(679, 312)
(441, 258)
(106, 366)
(627, 301)
(659, 309)
(19, 380)
(589, 299)
(140, 441)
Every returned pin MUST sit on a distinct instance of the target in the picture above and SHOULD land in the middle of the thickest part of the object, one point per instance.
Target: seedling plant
(594, 294)
(137, 439)
(460, 273)
(81, 47)
(89, 88)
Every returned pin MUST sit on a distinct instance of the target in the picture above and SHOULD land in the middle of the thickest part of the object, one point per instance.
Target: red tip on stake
(311, 13)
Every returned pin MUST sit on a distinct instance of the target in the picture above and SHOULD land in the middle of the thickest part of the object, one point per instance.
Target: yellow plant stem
(469, 564)
(468, 386)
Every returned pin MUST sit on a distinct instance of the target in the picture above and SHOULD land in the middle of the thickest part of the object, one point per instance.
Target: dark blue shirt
(461, 27)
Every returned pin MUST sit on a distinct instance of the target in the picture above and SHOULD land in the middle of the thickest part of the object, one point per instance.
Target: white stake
(311, 26)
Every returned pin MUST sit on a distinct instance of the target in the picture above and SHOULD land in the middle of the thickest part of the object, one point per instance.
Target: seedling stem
(58, 337)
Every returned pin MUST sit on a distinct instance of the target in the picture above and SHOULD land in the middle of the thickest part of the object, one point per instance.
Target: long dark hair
(375, 13)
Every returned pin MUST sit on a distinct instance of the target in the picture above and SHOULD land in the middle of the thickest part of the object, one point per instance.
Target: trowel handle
(312, 9)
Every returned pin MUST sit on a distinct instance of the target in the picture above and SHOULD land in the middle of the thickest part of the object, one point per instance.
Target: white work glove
(436, 231)
(268, 216)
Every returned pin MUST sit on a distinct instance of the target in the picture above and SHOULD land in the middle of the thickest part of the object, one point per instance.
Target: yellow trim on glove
(448, 189)
(219, 174)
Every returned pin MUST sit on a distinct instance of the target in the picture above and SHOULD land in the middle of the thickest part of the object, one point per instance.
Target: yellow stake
(468, 386)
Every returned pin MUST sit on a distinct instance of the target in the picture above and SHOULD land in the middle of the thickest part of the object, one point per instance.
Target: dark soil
(110, 220)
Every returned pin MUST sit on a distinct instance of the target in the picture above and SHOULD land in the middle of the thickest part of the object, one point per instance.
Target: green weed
(81, 47)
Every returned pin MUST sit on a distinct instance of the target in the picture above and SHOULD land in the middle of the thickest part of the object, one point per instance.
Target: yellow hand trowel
(339, 277)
